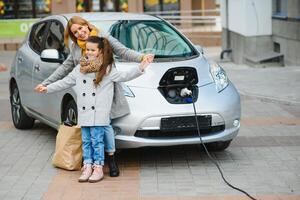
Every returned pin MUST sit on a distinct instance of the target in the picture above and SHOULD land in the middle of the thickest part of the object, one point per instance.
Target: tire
(20, 119)
(218, 146)
(70, 112)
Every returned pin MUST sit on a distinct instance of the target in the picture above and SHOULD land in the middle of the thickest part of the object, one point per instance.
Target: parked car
(160, 114)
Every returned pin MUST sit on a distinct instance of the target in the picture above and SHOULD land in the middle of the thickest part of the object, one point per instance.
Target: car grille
(204, 131)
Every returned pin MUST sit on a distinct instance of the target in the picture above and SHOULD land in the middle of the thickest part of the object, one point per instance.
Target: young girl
(94, 79)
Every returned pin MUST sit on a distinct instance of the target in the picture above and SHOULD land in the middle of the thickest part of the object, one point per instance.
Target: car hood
(156, 70)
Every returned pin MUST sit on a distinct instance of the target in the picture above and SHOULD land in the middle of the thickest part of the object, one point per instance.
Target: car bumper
(123, 141)
(224, 108)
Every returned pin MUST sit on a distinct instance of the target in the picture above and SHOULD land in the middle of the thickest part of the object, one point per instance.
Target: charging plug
(185, 92)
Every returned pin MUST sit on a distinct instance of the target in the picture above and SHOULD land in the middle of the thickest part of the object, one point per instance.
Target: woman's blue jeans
(109, 139)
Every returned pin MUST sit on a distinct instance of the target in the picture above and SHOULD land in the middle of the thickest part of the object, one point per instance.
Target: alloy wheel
(72, 117)
(16, 106)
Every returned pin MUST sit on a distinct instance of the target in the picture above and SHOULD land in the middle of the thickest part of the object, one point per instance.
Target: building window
(11, 9)
(152, 5)
(42, 8)
(109, 5)
(7, 9)
(161, 5)
(123, 6)
(102, 5)
(280, 8)
(82, 5)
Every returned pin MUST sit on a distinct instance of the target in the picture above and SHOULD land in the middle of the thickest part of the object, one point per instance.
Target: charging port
(176, 79)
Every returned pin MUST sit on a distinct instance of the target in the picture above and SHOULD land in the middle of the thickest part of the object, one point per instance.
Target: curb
(268, 99)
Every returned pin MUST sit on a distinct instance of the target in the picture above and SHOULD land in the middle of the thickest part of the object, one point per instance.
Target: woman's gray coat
(120, 106)
(93, 103)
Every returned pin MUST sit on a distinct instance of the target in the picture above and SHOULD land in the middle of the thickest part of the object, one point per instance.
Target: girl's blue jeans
(93, 143)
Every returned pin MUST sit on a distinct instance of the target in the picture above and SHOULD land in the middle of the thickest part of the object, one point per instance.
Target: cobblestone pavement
(264, 160)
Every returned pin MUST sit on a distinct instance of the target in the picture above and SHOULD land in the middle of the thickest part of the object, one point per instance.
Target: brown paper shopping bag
(68, 152)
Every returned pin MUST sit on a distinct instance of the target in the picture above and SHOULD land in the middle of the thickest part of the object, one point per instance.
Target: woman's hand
(2, 67)
(149, 58)
(40, 88)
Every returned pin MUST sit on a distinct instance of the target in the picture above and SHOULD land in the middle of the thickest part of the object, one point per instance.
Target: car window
(155, 37)
(55, 38)
(37, 35)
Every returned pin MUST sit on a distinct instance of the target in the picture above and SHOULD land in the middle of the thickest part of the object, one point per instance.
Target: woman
(78, 29)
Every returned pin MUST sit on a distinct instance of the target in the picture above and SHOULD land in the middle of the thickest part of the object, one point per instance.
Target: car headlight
(127, 91)
(219, 76)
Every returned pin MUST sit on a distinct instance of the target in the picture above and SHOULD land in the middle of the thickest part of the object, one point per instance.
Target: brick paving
(65, 184)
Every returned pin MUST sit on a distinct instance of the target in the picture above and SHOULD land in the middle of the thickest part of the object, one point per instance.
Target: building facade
(257, 32)
(197, 19)
(18, 9)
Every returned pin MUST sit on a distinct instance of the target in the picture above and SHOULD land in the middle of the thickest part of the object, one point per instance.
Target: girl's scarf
(82, 43)
(90, 66)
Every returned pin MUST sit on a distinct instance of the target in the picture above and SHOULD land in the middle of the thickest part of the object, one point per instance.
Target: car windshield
(155, 37)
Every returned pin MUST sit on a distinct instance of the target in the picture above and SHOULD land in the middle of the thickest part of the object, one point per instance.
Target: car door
(48, 105)
(27, 56)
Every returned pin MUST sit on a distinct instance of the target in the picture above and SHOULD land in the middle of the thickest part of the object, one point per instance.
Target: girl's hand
(41, 88)
(148, 57)
(144, 64)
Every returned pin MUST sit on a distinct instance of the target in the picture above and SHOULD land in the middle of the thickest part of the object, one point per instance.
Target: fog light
(236, 123)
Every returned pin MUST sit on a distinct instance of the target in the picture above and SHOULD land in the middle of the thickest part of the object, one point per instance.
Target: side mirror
(51, 55)
(199, 48)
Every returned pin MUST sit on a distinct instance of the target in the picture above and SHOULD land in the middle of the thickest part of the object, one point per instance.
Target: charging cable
(186, 92)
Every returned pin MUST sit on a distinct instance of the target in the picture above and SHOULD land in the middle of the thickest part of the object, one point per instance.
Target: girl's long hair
(107, 53)
(76, 20)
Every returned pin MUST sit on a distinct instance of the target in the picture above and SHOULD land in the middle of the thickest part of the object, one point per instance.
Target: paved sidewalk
(263, 159)
(280, 84)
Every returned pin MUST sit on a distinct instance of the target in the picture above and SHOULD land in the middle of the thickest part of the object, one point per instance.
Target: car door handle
(37, 67)
(20, 59)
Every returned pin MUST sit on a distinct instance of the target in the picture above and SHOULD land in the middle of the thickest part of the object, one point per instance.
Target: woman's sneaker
(86, 173)
(97, 174)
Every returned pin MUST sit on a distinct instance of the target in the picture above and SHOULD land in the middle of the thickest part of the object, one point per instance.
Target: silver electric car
(161, 100)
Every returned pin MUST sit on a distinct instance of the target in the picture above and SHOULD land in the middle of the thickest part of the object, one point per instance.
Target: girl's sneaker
(97, 174)
(86, 173)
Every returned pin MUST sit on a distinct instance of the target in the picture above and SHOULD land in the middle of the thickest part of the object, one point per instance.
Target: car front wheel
(70, 112)
(20, 119)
